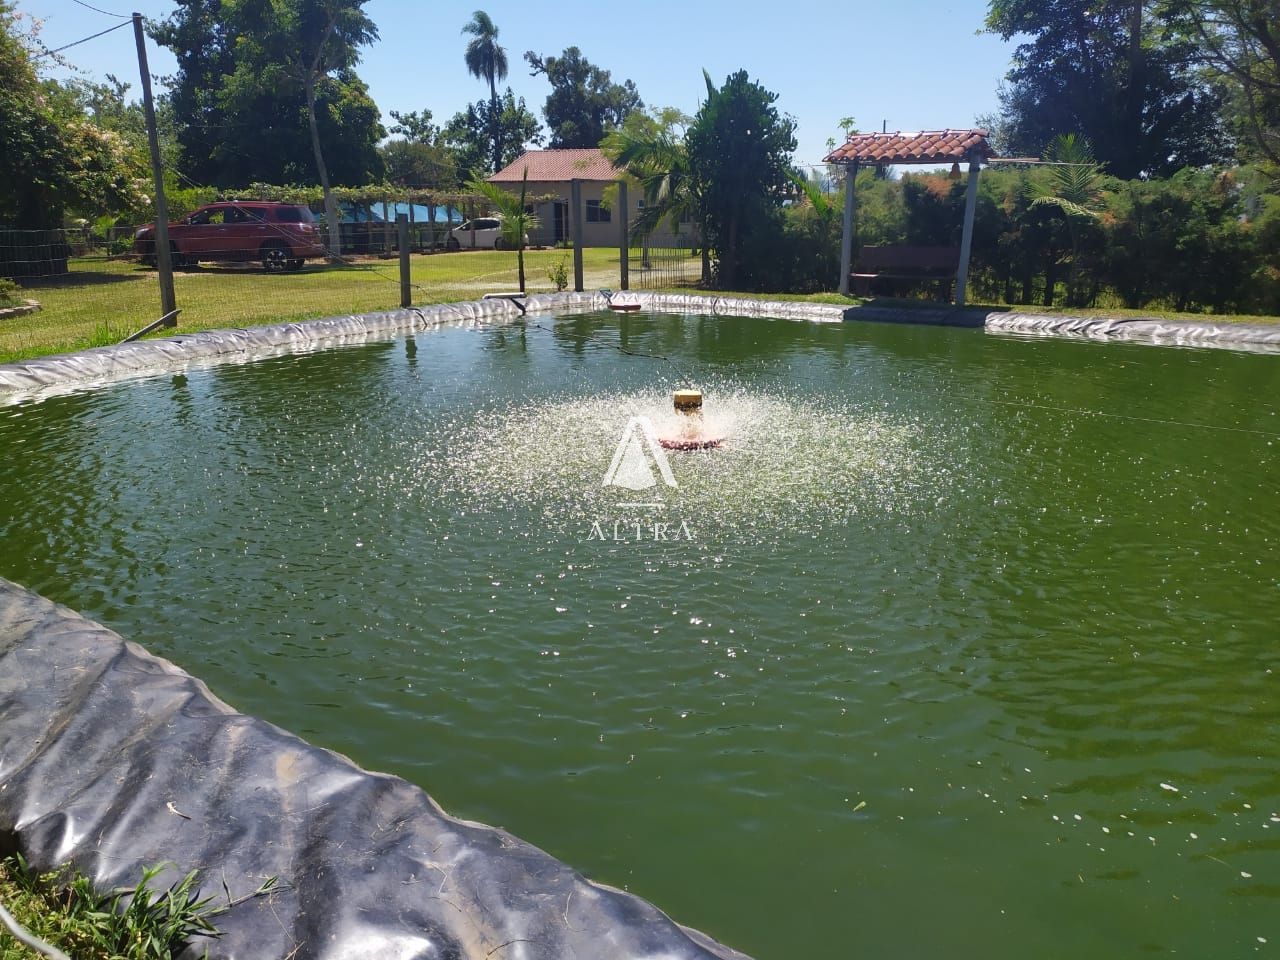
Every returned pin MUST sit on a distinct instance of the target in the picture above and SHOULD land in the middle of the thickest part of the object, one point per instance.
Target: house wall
(593, 234)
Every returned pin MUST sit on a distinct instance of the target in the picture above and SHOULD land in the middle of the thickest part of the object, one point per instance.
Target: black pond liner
(113, 759)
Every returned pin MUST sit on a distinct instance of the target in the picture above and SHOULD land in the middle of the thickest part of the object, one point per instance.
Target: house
(550, 173)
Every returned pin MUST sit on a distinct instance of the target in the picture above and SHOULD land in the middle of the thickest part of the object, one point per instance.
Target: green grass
(62, 909)
(102, 301)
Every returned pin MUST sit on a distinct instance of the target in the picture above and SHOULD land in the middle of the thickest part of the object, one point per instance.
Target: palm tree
(517, 220)
(652, 152)
(487, 61)
(1074, 189)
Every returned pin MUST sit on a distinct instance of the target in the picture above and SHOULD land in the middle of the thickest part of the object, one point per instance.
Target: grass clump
(133, 923)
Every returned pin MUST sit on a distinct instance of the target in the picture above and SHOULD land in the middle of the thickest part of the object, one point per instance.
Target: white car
(482, 233)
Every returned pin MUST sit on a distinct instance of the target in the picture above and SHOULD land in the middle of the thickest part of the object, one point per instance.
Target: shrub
(558, 274)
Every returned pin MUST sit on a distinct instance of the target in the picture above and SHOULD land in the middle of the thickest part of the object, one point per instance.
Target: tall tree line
(1153, 85)
(267, 91)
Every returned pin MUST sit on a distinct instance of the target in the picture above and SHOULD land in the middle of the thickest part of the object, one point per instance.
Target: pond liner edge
(113, 759)
(87, 369)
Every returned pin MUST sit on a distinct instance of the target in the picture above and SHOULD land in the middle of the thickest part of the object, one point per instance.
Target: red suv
(281, 235)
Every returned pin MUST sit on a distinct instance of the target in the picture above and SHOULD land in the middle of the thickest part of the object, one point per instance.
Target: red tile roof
(927, 146)
(554, 166)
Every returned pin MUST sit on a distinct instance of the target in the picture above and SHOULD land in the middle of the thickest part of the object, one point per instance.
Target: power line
(92, 36)
(106, 13)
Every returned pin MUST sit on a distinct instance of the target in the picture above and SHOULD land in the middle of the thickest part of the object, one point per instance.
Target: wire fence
(80, 288)
(663, 267)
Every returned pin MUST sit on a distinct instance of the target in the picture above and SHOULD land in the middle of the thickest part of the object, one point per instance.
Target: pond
(958, 644)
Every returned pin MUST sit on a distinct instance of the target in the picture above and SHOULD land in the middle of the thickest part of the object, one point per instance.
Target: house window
(598, 214)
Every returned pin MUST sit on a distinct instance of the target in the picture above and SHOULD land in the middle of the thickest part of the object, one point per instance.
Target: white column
(966, 239)
(846, 239)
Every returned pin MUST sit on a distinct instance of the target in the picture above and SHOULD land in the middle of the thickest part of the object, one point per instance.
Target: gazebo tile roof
(926, 146)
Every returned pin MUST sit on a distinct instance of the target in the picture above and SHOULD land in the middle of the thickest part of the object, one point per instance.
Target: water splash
(785, 462)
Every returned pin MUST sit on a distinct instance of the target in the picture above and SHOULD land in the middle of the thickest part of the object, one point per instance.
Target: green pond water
(960, 646)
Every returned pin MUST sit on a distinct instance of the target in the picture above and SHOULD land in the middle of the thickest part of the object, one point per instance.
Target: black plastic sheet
(114, 759)
(1245, 337)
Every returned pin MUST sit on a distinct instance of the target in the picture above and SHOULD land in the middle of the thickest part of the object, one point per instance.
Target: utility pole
(164, 261)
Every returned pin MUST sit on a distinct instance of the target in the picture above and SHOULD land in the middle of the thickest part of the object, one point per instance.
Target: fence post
(164, 262)
(624, 243)
(402, 235)
(575, 222)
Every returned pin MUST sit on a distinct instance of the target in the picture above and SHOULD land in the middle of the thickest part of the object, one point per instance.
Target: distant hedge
(1203, 240)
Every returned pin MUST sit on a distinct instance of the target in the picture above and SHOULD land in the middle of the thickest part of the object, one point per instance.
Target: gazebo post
(966, 238)
(850, 211)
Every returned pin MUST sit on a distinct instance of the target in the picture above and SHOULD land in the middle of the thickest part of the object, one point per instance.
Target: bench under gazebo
(931, 147)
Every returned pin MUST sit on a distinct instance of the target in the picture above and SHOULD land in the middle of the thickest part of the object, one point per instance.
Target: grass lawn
(102, 301)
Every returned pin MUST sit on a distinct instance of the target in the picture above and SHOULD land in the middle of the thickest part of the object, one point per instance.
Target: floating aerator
(687, 401)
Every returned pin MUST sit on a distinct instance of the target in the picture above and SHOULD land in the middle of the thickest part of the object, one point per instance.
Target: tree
(53, 158)
(584, 103)
(739, 150)
(298, 45)
(409, 163)
(1240, 42)
(1182, 241)
(1111, 72)
(488, 61)
(419, 158)
(415, 126)
(813, 227)
(470, 133)
(1073, 191)
(651, 149)
(240, 98)
(517, 219)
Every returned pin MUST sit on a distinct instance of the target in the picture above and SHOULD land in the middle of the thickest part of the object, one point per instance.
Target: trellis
(932, 147)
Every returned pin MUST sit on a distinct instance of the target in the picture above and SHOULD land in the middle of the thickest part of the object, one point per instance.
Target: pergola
(926, 147)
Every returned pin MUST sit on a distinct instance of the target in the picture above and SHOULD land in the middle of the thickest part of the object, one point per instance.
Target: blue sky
(917, 64)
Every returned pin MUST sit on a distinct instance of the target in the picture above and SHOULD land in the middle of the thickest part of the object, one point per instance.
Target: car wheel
(275, 258)
(452, 244)
(176, 260)
(294, 264)
(499, 243)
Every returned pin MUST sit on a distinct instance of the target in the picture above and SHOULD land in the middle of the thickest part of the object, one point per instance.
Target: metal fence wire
(664, 267)
(92, 287)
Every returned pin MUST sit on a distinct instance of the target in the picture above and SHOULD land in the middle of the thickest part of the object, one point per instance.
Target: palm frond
(516, 219)
(1066, 206)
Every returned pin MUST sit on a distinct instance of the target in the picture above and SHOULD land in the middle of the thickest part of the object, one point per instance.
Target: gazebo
(926, 147)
